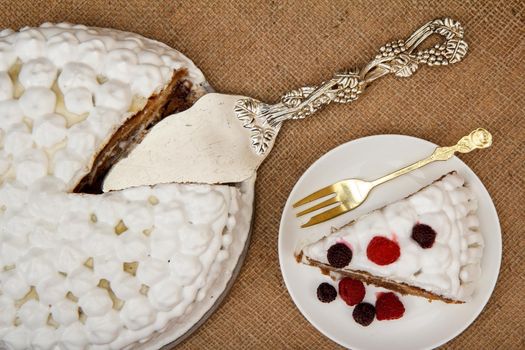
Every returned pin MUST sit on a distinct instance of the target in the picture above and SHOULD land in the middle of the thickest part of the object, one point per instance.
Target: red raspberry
(389, 307)
(351, 291)
(382, 250)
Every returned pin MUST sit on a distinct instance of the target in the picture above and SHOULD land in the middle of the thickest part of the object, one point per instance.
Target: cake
(427, 244)
(84, 270)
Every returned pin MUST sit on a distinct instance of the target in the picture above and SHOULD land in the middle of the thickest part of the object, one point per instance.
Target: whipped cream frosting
(93, 271)
(449, 268)
(68, 280)
(58, 76)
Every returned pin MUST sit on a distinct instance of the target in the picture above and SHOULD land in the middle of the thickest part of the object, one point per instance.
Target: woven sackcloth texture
(263, 48)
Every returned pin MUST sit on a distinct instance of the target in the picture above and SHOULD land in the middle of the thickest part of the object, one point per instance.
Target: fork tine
(321, 205)
(325, 191)
(326, 215)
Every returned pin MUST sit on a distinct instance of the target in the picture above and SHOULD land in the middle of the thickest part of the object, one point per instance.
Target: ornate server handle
(397, 57)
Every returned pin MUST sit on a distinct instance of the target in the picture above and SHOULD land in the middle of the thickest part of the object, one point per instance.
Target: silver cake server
(224, 138)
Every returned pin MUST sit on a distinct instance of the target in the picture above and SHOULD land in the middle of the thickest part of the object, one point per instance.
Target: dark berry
(364, 314)
(382, 251)
(424, 235)
(339, 255)
(389, 307)
(326, 293)
(351, 291)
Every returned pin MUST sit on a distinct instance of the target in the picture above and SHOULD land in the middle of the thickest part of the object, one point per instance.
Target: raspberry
(326, 293)
(382, 251)
(424, 235)
(339, 255)
(364, 314)
(389, 307)
(351, 291)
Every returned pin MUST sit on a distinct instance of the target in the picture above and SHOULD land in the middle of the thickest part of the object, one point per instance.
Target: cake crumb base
(367, 278)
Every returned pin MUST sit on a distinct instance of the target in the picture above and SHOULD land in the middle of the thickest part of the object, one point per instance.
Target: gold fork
(351, 193)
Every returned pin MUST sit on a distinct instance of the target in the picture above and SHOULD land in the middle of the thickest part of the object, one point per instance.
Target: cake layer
(175, 97)
(443, 267)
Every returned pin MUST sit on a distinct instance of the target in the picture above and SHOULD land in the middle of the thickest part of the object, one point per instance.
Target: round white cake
(100, 271)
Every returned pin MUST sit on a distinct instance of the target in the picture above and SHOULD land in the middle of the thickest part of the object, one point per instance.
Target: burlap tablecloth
(262, 49)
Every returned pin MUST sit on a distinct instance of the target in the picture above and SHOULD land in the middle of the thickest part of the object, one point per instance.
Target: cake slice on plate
(427, 244)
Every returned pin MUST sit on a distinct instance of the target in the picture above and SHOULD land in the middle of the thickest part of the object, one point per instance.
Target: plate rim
(491, 207)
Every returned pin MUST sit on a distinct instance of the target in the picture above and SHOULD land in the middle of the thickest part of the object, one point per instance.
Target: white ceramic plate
(424, 325)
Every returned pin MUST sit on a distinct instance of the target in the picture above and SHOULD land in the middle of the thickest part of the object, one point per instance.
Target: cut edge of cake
(384, 282)
(365, 277)
(178, 95)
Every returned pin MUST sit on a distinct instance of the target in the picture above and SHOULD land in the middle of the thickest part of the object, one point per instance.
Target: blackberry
(326, 293)
(364, 314)
(424, 235)
(339, 255)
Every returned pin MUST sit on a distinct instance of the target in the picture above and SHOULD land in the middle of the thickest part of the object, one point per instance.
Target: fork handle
(479, 138)
(398, 57)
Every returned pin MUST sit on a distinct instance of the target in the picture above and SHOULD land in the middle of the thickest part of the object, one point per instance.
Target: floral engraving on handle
(397, 57)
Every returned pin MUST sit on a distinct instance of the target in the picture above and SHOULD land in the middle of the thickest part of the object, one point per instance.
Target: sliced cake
(82, 270)
(427, 244)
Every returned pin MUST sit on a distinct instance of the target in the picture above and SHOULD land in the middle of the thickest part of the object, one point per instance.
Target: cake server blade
(204, 144)
(224, 138)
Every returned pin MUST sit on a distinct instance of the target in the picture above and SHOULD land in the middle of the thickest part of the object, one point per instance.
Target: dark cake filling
(175, 97)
